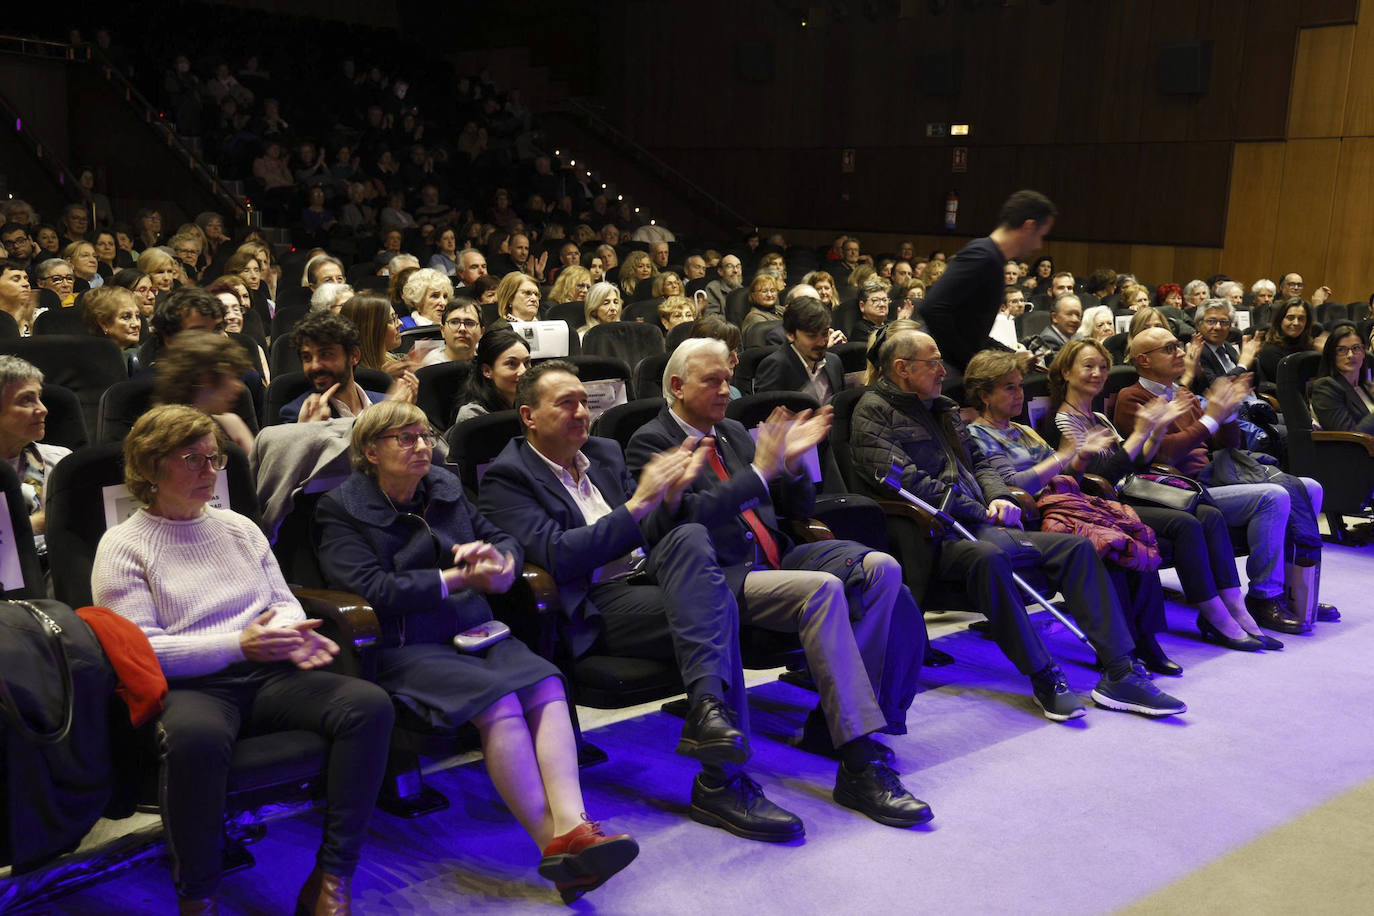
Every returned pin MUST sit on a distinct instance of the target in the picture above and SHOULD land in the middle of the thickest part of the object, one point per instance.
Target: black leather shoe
(740, 808)
(815, 739)
(1147, 649)
(935, 658)
(1327, 613)
(1267, 642)
(877, 792)
(709, 734)
(1274, 614)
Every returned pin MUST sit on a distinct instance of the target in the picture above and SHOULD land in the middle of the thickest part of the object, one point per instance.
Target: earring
(154, 488)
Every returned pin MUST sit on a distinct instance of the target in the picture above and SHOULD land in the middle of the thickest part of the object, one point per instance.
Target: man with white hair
(471, 265)
(862, 633)
(330, 297)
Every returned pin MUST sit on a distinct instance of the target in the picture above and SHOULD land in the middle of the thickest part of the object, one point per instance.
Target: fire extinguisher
(951, 210)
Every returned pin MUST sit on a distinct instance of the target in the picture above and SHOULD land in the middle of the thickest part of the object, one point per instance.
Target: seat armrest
(897, 509)
(1095, 485)
(542, 586)
(808, 530)
(1270, 400)
(1362, 440)
(1030, 512)
(349, 612)
(1159, 467)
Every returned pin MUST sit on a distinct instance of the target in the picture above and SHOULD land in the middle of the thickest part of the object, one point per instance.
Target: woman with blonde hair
(517, 297)
(763, 300)
(81, 256)
(572, 285)
(161, 267)
(637, 267)
(667, 284)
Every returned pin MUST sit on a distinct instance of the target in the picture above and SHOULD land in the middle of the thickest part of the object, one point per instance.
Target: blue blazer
(782, 370)
(719, 505)
(392, 560)
(291, 412)
(522, 496)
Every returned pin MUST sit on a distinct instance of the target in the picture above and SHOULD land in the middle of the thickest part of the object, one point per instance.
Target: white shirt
(593, 507)
(818, 386)
(1167, 393)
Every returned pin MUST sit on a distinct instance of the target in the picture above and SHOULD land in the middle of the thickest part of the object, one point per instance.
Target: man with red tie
(861, 630)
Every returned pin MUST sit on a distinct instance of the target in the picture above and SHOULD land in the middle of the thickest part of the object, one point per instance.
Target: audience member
(500, 359)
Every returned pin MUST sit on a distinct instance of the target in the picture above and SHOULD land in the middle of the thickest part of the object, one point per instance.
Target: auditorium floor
(1259, 800)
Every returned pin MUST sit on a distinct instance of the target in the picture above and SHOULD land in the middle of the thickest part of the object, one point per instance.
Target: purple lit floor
(1031, 817)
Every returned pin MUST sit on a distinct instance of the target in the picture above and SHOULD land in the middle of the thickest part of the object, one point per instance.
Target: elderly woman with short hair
(22, 424)
(238, 653)
(603, 305)
(400, 532)
(517, 297)
(426, 292)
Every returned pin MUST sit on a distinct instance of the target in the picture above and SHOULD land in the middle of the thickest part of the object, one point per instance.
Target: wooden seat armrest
(351, 613)
(1349, 437)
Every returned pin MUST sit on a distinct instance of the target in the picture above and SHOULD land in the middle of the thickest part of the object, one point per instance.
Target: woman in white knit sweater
(237, 651)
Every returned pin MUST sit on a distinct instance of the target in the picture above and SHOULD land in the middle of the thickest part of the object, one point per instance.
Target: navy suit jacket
(520, 495)
(782, 370)
(291, 412)
(719, 505)
(1209, 366)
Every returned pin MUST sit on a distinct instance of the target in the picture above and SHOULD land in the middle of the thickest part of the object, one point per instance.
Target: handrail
(59, 170)
(154, 119)
(35, 47)
(722, 211)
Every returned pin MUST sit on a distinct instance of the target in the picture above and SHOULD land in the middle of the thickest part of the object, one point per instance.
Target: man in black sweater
(960, 308)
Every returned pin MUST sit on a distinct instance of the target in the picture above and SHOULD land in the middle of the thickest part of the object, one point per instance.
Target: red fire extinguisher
(951, 210)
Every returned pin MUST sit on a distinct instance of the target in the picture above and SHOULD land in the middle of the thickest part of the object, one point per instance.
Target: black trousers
(200, 722)
(1201, 546)
(1071, 565)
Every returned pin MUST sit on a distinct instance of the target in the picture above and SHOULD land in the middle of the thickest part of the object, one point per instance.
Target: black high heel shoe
(1212, 634)
(1266, 641)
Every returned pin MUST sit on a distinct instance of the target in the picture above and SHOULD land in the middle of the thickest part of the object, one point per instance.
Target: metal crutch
(892, 479)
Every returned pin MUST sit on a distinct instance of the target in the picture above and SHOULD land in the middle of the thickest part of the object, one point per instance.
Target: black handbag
(1166, 491)
(50, 663)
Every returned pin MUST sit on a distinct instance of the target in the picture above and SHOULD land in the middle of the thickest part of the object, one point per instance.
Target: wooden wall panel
(1214, 114)
(1270, 28)
(1359, 105)
(1256, 176)
(1306, 199)
(1349, 264)
(1153, 264)
(1328, 12)
(1195, 263)
(1320, 74)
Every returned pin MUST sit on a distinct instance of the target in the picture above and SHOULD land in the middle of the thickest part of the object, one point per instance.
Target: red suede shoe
(585, 858)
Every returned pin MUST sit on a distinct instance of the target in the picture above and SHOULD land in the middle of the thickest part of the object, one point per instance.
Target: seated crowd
(665, 545)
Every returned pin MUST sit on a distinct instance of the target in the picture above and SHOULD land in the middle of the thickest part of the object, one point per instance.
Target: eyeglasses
(408, 441)
(1172, 348)
(186, 251)
(1217, 322)
(60, 278)
(196, 461)
(932, 360)
(878, 300)
(1356, 350)
(465, 323)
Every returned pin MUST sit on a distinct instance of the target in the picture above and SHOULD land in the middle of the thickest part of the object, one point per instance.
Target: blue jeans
(1263, 509)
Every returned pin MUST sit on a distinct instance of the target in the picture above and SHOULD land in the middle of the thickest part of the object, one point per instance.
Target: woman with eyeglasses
(572, 285)
(401, 533)
(1202, 550)
(238, 653)
(1343, 394)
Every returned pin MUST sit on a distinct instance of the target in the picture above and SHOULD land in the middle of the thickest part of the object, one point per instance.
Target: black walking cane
(893, 480)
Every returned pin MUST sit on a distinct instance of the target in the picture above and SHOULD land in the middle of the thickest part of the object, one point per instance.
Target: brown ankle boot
(324, 895)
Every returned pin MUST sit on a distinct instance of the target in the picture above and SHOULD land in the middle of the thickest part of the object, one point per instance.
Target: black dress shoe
(709, 734)
(936, 658)
(877, 792)
(1247, 643)
(1266, 641)
(815, 739)
(739, 807)
(1274, 614)
(1147, 649)
(1326, 613)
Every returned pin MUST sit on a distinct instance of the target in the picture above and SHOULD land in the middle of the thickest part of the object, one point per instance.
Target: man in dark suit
(569, 501)
(804, 365)
(863, 635)
(1219, 357)
(1066, 314)
(329, 350)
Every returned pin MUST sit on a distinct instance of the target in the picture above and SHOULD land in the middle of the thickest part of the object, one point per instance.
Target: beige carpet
(1317, 863)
